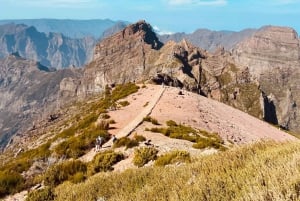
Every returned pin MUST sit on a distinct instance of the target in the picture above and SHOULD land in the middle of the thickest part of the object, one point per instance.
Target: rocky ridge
(135, 54)
(272, 56)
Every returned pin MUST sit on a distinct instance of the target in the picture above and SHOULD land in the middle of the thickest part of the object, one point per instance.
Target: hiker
(114, 139)
(99, 143)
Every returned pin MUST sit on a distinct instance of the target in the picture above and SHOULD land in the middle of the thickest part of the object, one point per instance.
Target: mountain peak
(143, 30)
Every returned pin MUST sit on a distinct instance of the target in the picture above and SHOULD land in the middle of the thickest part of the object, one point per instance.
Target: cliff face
(28, 91)
(273, 58)
(52, 50)
(259, 77)
(135, 54)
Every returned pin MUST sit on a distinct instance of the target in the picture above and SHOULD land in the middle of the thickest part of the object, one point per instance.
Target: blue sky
(166, 15)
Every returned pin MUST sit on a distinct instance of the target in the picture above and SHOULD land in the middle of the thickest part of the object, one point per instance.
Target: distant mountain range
(69, 28)
(210, 40)
(52, 49)
(63, 43)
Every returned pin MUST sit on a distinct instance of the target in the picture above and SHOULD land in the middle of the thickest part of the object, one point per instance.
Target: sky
(166, 16)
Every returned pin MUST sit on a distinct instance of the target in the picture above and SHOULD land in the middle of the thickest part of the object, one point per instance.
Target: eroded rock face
(269, 48)
(272, 56)
(29, 91)
(135, 54)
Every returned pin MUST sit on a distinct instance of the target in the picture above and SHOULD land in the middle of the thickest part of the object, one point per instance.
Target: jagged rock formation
(210, 40)
(52, 49)
(259, 77)
(28, 91)
(244, 79)
(273, 58)
(135, 54)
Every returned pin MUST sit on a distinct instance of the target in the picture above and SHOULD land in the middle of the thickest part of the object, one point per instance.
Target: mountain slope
(202, 122)
(52, 49)
(69, 28)
(28, 91)
(232, 78)
(273, 58)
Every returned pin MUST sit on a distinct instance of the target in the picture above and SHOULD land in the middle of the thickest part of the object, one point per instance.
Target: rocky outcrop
(136, 54)
(29, 91)
(52, 49)
(272, 56)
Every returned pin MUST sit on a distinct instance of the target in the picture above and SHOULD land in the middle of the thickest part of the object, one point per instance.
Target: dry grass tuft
(263, 171)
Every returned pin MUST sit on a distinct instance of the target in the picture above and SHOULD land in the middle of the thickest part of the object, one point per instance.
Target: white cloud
(197, 2)
(161, 32)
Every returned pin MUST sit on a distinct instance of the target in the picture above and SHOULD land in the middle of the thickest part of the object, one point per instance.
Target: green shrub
(104, 161)
(105, 116)
(111, 122)
(125, 141)
(67, 132)
(103, 125)
(61, 172)
(150, 119)
(10, 182)
(122, 91)
(139, 138)
(183, 132)
(45, 194)
(164, 131)
(208, 142)
(77, 177)
(143, 155)
(124, 103)
(24, 160)
(171, 123)
(87, 121)
(173, 157)
(77, 146)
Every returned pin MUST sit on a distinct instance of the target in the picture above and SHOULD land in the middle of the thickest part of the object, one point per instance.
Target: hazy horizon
(166, 16)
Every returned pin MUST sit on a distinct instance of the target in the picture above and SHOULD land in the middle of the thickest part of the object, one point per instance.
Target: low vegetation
(125, 142)
(45, 194)
(143, 155)
(68, 170)
(202, 139)
(77, 137)
(10, 182)
(104, 161)
(76, 146)
(263, 171)
(151, 119)
(124, 103)
(173, 157)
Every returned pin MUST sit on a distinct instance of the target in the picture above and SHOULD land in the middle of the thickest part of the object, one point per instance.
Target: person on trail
(114, 139)
(99, 143)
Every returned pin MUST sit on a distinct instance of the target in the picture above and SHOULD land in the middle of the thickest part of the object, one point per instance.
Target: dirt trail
(131, 125)
(190, 109)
